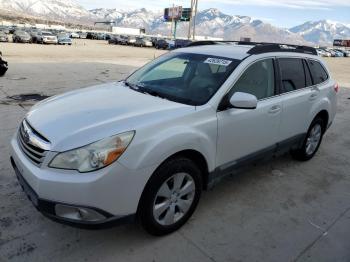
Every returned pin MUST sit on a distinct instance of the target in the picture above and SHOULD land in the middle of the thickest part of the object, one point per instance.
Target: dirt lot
(81, 51)
(279, 211)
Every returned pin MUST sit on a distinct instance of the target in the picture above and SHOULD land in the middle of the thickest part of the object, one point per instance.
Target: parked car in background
(122, 40)
(143, 41)
(89, 35)
(323, 52)
(171, 44)
(346, 53)
(113, 40)
(3, 37)
(180, 43)
(162, 44)
(338, 53)
(74, 35)
(82, 35)
(5, 29)
(334, 53)
(21, 37)
(64, 39)
(131, 40)
(34, 35)
(108, 36)
(12, 29)
(101, 36)
(47, 38)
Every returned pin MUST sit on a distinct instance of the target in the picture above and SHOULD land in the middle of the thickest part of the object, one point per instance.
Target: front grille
(34, 153)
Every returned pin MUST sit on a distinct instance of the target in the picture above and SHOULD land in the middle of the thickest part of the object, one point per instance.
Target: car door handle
(313, 96)
(274, 109)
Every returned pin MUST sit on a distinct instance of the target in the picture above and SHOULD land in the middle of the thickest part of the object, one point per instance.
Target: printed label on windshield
(218, 61)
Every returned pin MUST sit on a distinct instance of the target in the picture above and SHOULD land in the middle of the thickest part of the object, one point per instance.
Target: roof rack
(261, 47)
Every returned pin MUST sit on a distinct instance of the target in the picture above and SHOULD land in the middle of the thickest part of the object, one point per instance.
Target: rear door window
(292, 74)
(319, 74)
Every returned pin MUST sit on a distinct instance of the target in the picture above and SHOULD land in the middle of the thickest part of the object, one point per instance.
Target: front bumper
(113, 191)
(48, 209)
(64, 42)
(50, 42)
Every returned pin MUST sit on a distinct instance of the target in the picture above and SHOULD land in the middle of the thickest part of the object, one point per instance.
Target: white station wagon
(144, 148)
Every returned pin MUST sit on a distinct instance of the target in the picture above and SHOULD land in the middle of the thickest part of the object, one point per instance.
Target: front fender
(168, 142)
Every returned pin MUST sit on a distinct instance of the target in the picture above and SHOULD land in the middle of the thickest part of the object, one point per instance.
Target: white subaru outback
(144, 148)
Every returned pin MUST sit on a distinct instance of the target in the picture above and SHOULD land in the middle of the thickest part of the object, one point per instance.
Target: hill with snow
(323, 31)
(47, 9)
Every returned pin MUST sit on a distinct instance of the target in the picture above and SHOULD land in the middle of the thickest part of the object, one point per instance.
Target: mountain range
(209, 22)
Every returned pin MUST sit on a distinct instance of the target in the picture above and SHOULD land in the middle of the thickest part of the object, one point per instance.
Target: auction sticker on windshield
(217, 61)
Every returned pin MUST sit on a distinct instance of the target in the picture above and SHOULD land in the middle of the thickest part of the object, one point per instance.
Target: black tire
(148, 198)
(301, 153)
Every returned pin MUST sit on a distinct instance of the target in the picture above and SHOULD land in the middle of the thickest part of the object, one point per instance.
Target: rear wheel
(170, 197)
(312, 141)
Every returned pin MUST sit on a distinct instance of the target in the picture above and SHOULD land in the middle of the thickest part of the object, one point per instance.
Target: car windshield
(186, 78)
(63, 36)
(21, 33)
(47, 34)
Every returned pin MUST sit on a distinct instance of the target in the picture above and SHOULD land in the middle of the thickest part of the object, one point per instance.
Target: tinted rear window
(292, 74)
(319, 74)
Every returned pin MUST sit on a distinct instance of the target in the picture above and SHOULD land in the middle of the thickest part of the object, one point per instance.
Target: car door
(297, 96)
(243, 133)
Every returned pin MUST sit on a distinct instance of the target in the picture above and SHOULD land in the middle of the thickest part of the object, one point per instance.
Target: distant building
(127, 31)
(341, 42)
(55, 27)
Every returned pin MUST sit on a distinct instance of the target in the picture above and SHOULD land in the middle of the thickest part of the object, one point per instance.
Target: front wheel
(312, 141)
(170, 197)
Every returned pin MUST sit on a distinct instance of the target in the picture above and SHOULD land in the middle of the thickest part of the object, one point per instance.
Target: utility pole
(190, 22)
(194, 19)
(172, 21)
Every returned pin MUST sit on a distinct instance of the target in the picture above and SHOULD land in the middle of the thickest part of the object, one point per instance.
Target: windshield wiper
(133, 87)
(153, 93)
(142, 89)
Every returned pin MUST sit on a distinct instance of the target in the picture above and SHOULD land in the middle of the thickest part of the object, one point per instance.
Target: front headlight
(94, 156)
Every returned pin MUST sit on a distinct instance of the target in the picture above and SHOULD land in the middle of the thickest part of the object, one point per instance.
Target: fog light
(78, 213)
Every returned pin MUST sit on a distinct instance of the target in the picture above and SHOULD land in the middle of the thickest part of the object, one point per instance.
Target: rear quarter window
(292, 74)
(318, 73)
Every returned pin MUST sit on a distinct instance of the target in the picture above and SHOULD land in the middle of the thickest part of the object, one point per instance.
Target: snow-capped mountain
(48, 9)
(210, 22)
(322, 32)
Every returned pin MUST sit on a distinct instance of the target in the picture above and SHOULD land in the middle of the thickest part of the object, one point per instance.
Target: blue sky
(283, 13)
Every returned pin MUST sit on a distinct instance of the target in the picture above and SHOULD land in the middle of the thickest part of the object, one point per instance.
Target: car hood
(87, 115)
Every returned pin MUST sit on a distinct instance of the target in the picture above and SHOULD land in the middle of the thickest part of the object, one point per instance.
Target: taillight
(336, 87)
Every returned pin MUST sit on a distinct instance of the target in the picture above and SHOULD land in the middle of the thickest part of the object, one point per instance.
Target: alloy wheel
(313, 139)
(174, 198)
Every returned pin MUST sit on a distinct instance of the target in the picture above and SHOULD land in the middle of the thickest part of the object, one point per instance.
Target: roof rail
(261, 47)
(272, 47)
